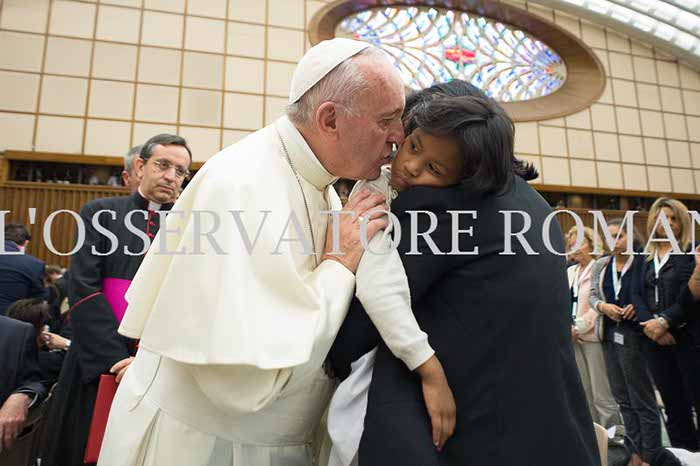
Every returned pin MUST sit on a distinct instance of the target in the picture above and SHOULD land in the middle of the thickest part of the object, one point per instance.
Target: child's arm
(382, 288)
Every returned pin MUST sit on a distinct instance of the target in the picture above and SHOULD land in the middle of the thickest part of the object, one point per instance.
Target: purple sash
(114, 290)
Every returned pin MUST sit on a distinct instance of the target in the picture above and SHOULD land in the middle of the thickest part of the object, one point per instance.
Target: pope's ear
(327, 119)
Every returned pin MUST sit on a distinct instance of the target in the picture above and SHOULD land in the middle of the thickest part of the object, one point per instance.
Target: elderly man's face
(131, 179)
(162, 174)
(367, 138)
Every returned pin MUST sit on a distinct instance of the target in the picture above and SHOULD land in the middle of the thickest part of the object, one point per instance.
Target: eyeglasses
(163, 166)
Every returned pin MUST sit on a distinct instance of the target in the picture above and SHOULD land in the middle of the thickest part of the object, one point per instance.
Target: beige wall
(89, 77)
(642, 134)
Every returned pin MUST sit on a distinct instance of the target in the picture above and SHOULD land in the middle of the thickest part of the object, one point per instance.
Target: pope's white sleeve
(247, 389)
(382, 288)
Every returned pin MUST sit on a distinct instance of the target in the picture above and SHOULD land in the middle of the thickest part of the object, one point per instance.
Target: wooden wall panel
(19, 197)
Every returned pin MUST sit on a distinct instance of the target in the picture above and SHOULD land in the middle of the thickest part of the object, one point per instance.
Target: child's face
(426, 160)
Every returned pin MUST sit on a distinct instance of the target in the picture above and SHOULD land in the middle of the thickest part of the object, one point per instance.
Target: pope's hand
(366, 207)
(121, 367)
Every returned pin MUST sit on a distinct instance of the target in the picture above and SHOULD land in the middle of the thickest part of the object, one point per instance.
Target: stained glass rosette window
(430, 45)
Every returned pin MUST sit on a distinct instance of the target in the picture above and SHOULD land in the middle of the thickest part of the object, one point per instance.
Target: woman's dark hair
(33, 311)
(52, 270)
(484, 132)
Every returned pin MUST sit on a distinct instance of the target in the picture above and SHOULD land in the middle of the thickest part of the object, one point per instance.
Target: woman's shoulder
(600, 263)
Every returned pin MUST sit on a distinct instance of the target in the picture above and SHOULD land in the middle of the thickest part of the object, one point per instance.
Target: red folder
(105, 394)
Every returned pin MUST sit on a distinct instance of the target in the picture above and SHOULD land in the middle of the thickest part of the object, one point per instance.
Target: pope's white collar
(304, 160)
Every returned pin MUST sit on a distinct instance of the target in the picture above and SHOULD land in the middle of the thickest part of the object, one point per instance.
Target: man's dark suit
(499, 324)
(21, 277)
(19, 369)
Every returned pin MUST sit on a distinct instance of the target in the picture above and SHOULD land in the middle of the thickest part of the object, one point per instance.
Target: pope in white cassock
(234, 313)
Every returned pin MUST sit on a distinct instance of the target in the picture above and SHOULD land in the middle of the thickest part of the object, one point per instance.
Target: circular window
(430, 45)
(535, 68)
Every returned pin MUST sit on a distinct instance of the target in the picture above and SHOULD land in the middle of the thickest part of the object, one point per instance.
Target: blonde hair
(680, 211)
(595, 243)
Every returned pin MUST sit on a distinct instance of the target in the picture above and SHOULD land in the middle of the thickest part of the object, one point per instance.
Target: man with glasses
(118, 232)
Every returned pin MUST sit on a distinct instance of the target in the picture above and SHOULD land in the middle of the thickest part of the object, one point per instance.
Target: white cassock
(229, 369)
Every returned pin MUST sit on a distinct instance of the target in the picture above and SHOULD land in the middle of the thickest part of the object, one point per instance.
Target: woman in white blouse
(586, 330)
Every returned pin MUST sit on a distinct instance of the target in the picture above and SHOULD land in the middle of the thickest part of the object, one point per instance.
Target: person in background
(615, 293)
(586, 330)
(96, 290)
(52, 274)
(57, 298)
(21, 274)
(20, 384)
(36, 313)
(690, 297)
(130, 175)
(673, 345)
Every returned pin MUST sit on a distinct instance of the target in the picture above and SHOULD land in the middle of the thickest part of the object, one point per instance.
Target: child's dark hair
(484, 132)
(33, 311)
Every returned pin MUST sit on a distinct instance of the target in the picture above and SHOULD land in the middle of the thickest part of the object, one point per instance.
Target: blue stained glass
(430, 45)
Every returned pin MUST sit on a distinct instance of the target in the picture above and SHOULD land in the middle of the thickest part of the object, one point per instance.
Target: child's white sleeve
(382, 288)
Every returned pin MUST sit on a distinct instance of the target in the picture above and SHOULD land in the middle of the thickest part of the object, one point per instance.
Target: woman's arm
(694, 282)
(676, 314)
(596, 295)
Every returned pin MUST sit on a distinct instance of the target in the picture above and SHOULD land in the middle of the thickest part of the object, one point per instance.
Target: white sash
(617, 282)
(658, 265)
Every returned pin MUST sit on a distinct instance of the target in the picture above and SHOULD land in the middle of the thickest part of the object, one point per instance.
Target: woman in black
(615, 292)
(673, 345)
(495, 309)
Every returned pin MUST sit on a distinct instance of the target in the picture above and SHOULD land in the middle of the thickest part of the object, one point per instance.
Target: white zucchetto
(319, 61)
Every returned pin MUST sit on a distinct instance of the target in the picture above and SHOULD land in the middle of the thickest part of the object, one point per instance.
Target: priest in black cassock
(100, 273)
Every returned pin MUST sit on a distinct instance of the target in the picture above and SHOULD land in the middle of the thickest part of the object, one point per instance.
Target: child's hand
(439, 401)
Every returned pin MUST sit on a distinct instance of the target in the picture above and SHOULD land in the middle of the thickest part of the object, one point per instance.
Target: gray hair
(341, 85)
(129, 158)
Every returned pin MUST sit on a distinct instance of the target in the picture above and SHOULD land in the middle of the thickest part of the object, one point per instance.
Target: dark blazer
(21, 277)
(673, 293)
(631, 292)
(673, 278)
(19, 371)
(500, 325)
